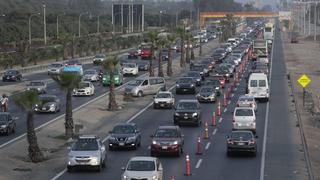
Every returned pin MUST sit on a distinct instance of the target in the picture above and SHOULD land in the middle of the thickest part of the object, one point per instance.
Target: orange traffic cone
(188, 173)
(219, 108)
(206, 131)
(199, 146)
(213, 118)
(224, 100)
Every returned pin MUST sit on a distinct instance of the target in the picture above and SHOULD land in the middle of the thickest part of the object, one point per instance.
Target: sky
(263, 2)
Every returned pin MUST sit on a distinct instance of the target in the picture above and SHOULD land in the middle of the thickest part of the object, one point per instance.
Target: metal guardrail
(43, 67)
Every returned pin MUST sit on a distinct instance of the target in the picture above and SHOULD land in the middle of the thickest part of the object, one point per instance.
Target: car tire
(104, 163)
(175, 122)
(254, 153)
(70, 169)
(111, 148)
(98, 168)
(198, 123)
(13, 130)
(140, 94)
(155, 106)
(7, 131)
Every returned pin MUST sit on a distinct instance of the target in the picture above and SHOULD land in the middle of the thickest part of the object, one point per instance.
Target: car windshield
(90, 72)
(11, 72)
(206, 90)
(243, 135)
(129, 65)
(3, 119)
(123, 129)
(99, 56)
(36, 84)
(246, 98)
(136, 82)
(253, 83)
(193, 74)
(84, 85)
(187, 106)
(244, 112)
(164, 95)
(185, 80)
(55, 65)
(47, 99)
(85, 145)
(166, 133)
(141, 166)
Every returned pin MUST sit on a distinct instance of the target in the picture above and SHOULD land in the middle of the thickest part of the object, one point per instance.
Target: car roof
(48, 95)
(143, 158)
(243, 108)
(241, 131)
(168, 127)
(164, 92)
(188, 100)
(126, 124)
(88, 137)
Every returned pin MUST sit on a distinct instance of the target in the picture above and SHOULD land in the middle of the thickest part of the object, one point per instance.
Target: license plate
(121, 144)
(164, 147)
(162, 105)
(240, 143)
(185, 117)
(43, 109)
(184, 89)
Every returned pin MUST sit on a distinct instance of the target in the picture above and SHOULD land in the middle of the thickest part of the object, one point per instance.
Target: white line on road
(60, 174)
(220, 120)
(198, 163)
(214, 131)
(232, 95)
(208, 145)
(225, 110)
(229, 102)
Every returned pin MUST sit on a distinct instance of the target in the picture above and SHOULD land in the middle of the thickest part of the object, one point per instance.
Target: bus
(268, 32)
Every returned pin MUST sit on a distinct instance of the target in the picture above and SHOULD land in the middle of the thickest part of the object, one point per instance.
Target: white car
(55, 68)
(85, 88)
(130, 69)
(146, 168)
(244, 118)
(247, 101)
(91, 75)
(164, 99)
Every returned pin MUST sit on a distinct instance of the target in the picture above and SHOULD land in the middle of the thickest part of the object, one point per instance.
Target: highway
(213, 163)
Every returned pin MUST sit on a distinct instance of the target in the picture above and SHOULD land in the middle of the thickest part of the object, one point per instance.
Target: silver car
(145, 85)
(87, 151)
(146, 168)
(38, 86)
(47, 104)
(55, 68)
(164, 99)
(91, 75)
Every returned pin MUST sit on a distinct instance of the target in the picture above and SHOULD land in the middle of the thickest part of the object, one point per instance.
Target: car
(12, 75)
(221, 79)
(258, 86)
(145, 85)
(263, 60)
(87, 151)
(55, 68)
(244, 118)
(117, 77)
(237, 51)
(133, 54)
(196, 76)
(202, 68)
(227, 47)
(90, 75)
(143, 65)
(99, 59)
(231, 68)
(247, 101)
(167, 140)
(236, 57)
(231, 60)
(209, 64)
(7, 123)
(143, 168)
(165, 54)
(124, 135)
(260, 68)
(130, 69)
(207, 94)
(219, 54)
(146, 53)
(163, 99)
(85, 88)
(185, 85)
(241, 141)
(47, 104)
(187, 111)
(38, 86)
(73, 69)
(223, 71)
(73, 62)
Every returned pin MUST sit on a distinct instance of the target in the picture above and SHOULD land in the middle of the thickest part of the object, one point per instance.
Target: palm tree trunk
(182, 60)
(34, 151)
(160, 68)
(112, 97)
(69, 125)
(192, 54)
(169, 66)
(151, 70)
(188, 52)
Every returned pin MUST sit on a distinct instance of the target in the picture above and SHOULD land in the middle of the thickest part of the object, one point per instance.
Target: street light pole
(315, 22)
(44, 24)
(160, 18)
(58, 25)
(80, 22)
(29, 24)
(98, 26)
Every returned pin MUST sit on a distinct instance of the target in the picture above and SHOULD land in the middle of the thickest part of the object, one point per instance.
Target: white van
(258, 86)
(244, 118)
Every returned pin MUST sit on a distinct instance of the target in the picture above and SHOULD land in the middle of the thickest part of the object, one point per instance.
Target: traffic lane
(148, 122)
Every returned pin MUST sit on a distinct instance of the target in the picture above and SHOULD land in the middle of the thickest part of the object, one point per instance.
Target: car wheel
(7, 131)
(13, 130)
(70, 169)
(104, 163)
(154, 106)
(175, 122)
(198, 123)
(140, 94)
(99, 167)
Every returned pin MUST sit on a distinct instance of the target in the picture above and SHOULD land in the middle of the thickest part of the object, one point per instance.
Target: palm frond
(26, 100)
(67, 81)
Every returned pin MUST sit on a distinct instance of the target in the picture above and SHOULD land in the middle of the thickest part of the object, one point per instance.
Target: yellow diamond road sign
(304, 81)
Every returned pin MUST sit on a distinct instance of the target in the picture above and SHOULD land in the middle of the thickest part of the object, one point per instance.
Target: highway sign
(304, 80)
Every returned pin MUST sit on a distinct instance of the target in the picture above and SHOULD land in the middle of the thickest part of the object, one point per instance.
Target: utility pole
(199, 30)
(142, 19)
(309, 26)
(315, 22)
(44, 24)
(304, 19)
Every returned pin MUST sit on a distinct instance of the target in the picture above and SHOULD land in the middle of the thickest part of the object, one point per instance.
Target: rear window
(253, 83)
(262, 83)
(244, 112)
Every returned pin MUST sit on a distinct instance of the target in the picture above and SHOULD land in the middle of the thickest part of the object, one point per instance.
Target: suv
(7, 123)
(242, 141)
(185, 84)
(167, 139)
(187, 111)
(12, 75)
(38, 86)
(87, 151)
(163, 99)
(146, 53)
(207, 94)
(143, 168)
(99, 59)
(125, 135)
(214, 83)
(244, 118)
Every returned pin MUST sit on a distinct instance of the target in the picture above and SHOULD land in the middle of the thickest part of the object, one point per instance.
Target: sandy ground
(303, 58)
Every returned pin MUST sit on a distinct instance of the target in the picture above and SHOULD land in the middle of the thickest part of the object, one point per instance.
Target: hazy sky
(263, 2)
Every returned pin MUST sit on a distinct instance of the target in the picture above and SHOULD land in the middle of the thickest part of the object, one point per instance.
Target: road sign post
(304, 82)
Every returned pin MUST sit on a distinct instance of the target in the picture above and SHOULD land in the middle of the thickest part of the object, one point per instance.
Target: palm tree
(181, 33)
(110, 65)
(152, 38)
(26, 100)
(67, 82)
(171, 38)
(193, 41)
(188, 36)
(161, 43)
(65, 40)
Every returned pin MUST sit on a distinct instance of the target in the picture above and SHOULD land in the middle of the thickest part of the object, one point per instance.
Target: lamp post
(58, 24)
(80, 22)
(98, 25)
(29, 24)
(44, 24)
(113, 21)
(160, 18)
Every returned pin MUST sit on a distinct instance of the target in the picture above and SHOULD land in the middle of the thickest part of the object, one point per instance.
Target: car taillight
(230, 142)
(233, 120)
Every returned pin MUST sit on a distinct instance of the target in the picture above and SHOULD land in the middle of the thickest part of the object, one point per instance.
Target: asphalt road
(213, 163)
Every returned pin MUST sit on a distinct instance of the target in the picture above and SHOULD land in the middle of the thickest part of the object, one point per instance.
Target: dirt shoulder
(94, 117)
(303, 58)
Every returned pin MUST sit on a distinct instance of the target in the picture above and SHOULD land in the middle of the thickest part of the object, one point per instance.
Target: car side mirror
(123, 168)
(227, 136)
(160, 168)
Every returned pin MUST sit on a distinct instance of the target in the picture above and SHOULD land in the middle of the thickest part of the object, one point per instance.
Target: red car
(146, 53)
(221, 79)
(133, 54)
(167, 140)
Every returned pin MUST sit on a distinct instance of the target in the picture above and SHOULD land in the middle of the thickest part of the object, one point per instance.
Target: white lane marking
(60, 174)
(207, 146)
(235, 89)
(229, 102)
(232, 95)
(214, 131)
(198, 163)
(225, 110)
(220, 120)
(264, 145)
(149, 147)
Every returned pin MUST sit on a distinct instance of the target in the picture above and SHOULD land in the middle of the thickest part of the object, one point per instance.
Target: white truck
(260, 49)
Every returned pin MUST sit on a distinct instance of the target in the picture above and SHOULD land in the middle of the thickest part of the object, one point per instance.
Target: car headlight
(116, 78)
(176, 114)
(194, 114)
(227, 74)
(154, 142)
(52, 105)
(104, 79)
(191, 85)
(131, 138)
(177, 85)
(3, 126)
(175, 143)
(217, 88)
(94, 160)
(124, 177)
(154, 177)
